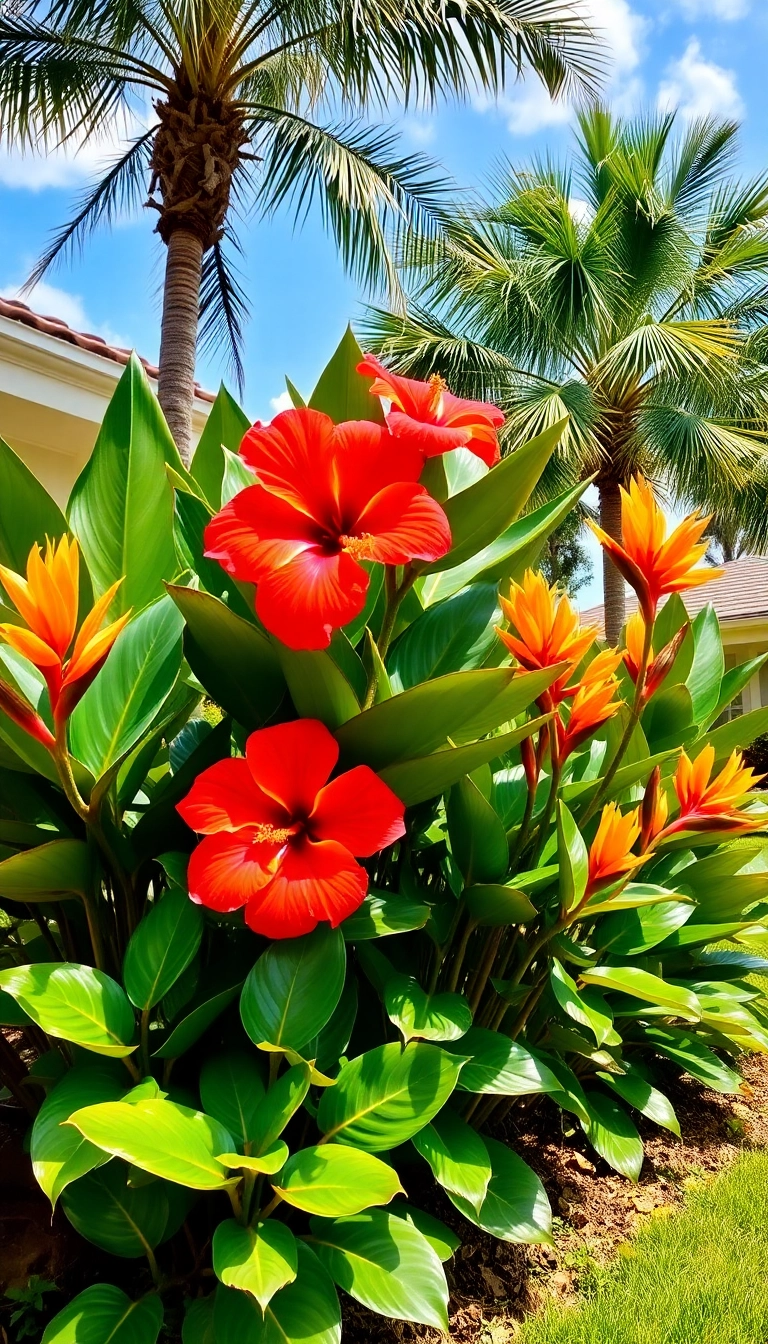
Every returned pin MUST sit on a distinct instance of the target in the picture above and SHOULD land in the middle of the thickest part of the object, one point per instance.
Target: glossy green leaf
(478, 839)
(431, 1017)
(103, 1314)
(27, 512)
(267, 1164)
(385, 1263)
(334, 1181)
(383, 913)
(281, 1102)
(216, 993)
(443, 1241)
(114, 1215)
(121, 506)
(737, 734)
(457, 1155)
(633, 1088)
(74, 1003)
(59, 1153)
(418, 780)
(233, 659)
(573, 859)
(631, 933)
(259, 1260)
(124, 699)
(59, 868)
(305, 1312)
(708, 665)
(237, 476)
(515, 1207)
(493, 905)
(160, 1136)
(589, 1012)
(232, 1091)
(613, 1135)
(449, 637)
(498, 1065)
(479, 515)
(319, 688)
(387, 1095)
(161, 947)
(226, 425)
(642, 985)
(197, 1326)
(694, 1057)
(294, 987)
(342, 392)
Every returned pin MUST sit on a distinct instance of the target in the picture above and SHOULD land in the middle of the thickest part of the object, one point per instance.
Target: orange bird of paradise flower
(548, 629)
(712, 804)
(592, 704)
(610, 854)
(650, 561)
(658, 665)
(47, 600)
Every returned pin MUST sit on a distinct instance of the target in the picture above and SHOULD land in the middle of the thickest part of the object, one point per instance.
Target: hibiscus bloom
(279, 839)
(431, 416)
(328, 497)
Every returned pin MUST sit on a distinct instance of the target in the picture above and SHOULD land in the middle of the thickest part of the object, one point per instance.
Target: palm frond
(676, 349)
(223, 306)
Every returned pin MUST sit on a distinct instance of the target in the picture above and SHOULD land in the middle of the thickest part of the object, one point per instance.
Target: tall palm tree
(630, 293)
(247, 104)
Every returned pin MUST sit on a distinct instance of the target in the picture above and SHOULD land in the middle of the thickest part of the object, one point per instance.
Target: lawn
(698, 1277)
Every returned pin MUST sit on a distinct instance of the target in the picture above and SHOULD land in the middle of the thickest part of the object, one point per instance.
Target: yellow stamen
(272, 835)
(360, 548)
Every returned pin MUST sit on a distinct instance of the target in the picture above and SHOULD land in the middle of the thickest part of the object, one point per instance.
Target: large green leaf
(159, 1136)
(74, 1003)
(232, 1090)
(387, 1095)
(613, 1135)
(342, 392)
(635, 1089)
(120, 1218)
(586, 1007)
(708, 665)
(632, 933)
(383, 913)
(305, 1312)
(642, 985)
(161, 947)
(27, 512)
(493, 905)
(694, 1057)
(452, 636)
(479, 515)
(226, 425)
(431, 1017)
(572, 858)
(478, 839)
(258, 1260)
(425, 777)
(104, 1314)
(191, 517)
(385, 1263)
(457, 1155)
(294, 987)
(233, 659)
(131, 690)
(334, 1181)
(498, 1065)
(121, 506)
(59, 868)
(276, 1109)
(219, 988)
(515, 1207)
(319, 687)
(738, 733)
(59, 1153)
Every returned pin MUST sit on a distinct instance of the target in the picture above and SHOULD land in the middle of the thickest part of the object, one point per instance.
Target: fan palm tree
(235, 88)
(629, 293)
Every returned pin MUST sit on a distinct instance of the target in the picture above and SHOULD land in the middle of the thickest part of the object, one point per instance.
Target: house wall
(743, 641)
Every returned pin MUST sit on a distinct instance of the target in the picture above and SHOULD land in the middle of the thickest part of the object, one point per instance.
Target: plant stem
(144, 1041)
(64, 767)
(541, 834)
(458, 960)
(634, 716)
(525, 825)
(395, 594)
(485, 968)
(271, 1206)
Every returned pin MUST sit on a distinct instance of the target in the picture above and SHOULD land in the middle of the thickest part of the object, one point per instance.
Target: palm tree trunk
(614, 594)
(178, 338)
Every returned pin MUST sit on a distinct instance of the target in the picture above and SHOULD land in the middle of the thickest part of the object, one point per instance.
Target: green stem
(541, 834)
(271, 1206)
(634, 716)
(64, 767)
(458, 960)
(525, 825)
(395, 594)
(484, 970)
(144, 1041)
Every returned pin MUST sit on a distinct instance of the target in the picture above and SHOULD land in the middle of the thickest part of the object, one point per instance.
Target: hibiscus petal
(293, 457)
(405, 523)
(256, 532)
(412, 395)
(359, 811)
(314, 881)
(226, 797)
(306, 600)
(292, 761)
(227, 871)
(368, 458)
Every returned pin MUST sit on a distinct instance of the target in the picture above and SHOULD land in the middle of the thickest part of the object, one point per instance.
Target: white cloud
(51, 301)
(281, 403)
(699, 88)
(582, 211)
(528, 108)
(35, 170)
(418, 130)
(727, 10)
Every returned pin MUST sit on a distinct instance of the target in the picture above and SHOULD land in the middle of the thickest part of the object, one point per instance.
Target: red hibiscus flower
(328, 496)
(428, 414)
(279, 839)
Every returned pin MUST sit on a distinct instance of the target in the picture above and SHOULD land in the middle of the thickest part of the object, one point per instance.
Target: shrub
(443, 851)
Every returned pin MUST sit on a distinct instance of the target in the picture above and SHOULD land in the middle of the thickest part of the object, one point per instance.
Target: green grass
(697, 1277)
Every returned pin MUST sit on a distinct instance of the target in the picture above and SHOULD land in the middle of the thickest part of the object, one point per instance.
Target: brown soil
(495, 1284)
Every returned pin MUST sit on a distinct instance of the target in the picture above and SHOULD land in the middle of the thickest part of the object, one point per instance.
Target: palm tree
(630, 293)
(235, 88)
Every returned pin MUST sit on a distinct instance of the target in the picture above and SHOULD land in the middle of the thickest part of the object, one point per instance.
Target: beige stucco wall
(53, 396)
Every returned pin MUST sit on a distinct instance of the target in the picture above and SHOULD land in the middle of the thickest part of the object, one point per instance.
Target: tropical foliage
(627, 293)
(300, 896)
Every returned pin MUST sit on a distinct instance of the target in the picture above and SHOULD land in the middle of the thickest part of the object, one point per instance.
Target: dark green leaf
(613, 1135)
(226, 424)
(104, 1315)
(294, 987)
(383, 913)
(342, 392)
(234, 660)
(501, 1066)
(232, 1090)
(477, 835)
(114, 1215)
(161, 947)
(515, 1207)
(387, 1095)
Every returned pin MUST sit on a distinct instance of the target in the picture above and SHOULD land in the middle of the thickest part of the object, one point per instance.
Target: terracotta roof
(85, 340)
(741, 594)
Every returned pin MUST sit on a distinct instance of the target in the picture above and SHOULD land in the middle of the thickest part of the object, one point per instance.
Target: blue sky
(702, 56)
